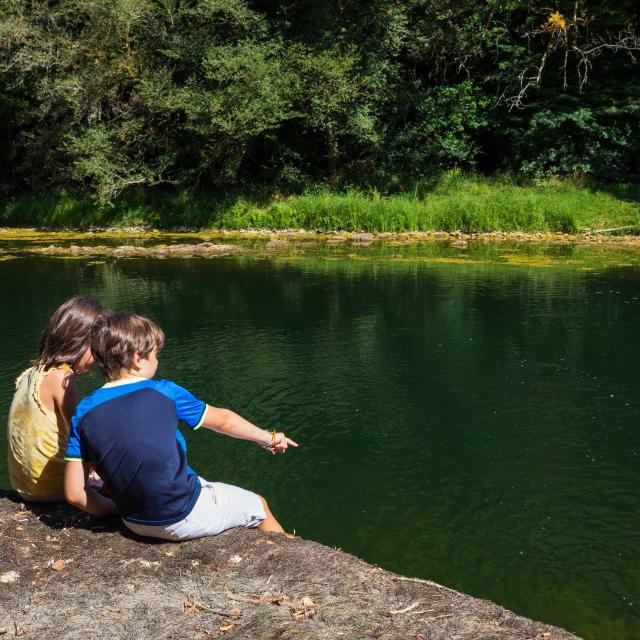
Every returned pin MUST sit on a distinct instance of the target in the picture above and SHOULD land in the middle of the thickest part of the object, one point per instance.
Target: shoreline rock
(280, 238)
(332, 246)
(64, 574)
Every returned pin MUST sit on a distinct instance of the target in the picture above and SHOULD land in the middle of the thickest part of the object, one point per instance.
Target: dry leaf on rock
(190, 607)
(58, 565)
(305, 610)
(228, 626)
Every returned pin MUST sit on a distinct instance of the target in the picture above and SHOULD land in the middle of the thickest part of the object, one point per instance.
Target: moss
(516, 249)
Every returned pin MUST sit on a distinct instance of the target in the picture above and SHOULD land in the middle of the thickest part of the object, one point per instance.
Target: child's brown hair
(116, 338)
(68, 333)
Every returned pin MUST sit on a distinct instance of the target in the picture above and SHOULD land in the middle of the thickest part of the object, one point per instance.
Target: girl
(45, 399)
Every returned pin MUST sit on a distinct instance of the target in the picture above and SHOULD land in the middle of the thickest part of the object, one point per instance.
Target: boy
(128, 429)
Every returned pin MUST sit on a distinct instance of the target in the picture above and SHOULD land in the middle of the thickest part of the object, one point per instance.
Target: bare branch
(572, 36)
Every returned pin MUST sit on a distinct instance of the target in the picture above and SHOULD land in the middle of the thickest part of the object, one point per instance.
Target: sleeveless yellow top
(36, 440)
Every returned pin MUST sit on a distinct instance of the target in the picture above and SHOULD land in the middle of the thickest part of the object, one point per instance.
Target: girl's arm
(70, 397)
(231, 424)
(77, 493)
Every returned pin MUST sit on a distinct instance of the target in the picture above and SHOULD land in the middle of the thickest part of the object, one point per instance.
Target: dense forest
(108, 96)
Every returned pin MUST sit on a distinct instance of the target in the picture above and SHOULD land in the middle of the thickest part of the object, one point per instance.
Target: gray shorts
(218, 508)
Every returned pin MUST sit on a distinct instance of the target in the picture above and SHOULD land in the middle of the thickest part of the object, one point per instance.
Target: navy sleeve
(188, 407)
(75, 450)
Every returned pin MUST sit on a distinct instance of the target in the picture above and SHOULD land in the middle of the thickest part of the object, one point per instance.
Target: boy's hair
(68, 333)
(116, 338)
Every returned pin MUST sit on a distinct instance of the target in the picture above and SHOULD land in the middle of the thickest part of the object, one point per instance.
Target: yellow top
(36, 440)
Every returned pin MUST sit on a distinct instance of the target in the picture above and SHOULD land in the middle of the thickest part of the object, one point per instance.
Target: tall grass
(455, 202)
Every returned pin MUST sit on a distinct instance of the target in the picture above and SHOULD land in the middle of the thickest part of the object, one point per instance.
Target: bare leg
(269, 523)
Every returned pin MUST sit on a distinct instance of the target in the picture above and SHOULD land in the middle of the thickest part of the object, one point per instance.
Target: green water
(476, 425)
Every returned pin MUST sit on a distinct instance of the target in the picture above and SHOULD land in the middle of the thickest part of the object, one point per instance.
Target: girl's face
(85, 362)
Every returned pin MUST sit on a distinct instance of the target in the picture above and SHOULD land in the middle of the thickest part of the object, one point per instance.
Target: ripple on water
(456, 423)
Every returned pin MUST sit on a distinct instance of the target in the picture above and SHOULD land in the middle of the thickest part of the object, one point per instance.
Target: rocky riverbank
(613, 237)
(583, 251)
(66, 575)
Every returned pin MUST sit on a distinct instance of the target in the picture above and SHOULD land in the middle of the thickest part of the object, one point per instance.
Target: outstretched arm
(231, 424)
(77, 493)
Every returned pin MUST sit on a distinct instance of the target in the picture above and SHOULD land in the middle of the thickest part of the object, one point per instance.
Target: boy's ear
(135, 360)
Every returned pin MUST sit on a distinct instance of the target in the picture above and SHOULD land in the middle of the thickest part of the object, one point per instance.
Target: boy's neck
(125, 379)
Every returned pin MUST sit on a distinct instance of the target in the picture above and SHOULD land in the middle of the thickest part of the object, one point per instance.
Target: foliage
(110, 95)
(454, 201)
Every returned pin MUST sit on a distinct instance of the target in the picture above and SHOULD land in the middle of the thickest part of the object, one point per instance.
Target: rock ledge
(66, 575)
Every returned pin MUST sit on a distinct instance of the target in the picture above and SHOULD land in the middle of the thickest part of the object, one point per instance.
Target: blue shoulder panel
(188, 407)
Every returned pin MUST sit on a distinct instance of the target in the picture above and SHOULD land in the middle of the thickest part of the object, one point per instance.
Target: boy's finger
(292, 443)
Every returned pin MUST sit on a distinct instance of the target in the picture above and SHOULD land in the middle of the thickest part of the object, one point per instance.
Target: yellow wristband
(268, 445)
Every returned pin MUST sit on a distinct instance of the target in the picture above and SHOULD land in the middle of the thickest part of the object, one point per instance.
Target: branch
(571, 35)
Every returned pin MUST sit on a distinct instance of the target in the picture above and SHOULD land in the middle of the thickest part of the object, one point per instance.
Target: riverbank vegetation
(454, 202)
(338, 114)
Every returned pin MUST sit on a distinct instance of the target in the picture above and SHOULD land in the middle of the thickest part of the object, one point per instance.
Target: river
(473, 424)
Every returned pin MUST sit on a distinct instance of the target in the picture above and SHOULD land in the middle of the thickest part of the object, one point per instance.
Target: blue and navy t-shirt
(130, 433)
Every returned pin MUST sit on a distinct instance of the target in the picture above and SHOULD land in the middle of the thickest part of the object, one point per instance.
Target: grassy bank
(455, 202)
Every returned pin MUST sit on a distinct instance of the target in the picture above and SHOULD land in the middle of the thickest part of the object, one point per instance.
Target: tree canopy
(107, 95)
